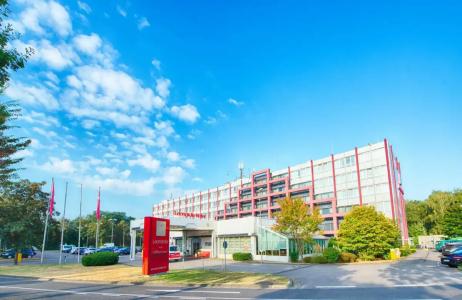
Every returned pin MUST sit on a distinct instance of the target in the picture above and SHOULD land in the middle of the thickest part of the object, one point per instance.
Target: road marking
(168, 291)
(336, 286)
(76, 292)
(419, 284)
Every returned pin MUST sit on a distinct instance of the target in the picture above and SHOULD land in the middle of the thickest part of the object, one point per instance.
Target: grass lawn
(129, 274)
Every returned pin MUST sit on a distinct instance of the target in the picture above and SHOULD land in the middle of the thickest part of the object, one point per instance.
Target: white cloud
(187, 113)
(210, 120)
(235, 102)
(40, 15)
(174, 175)
(121, 185)
(23, 153)
(156, 63)
(163, 87)
(88, 44)
(173, 156)
(60, 166)
(90, 124)
(34, 117)
(189, 163)
(119, 135)
(146, 161)
(57, 56)
(143, 23)
(84, 6)
(121, 11)
(31, 95)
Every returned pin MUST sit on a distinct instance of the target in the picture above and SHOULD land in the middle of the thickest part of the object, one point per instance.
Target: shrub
(318, 259)
(307, 259)
(333, 243)
(242, 256)
(293, 256)
(406, 250)
(331, 255)
(346, 257)
(100, 259)
(366, 257)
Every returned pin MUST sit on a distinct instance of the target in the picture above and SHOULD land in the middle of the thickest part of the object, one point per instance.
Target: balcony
(246, 208)
(261, 194)
(231, 211)
(246, 197)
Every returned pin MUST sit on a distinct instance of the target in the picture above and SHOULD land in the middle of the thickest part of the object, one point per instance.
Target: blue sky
(148, 98)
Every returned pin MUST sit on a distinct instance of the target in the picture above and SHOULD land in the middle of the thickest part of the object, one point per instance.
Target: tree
(296, 221)
(23, 207)
(452, 220)
(10, 58)
(366, 232)
(437, 204)
(416, 213)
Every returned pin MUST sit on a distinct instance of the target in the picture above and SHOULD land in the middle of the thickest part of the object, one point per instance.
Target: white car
(89, 251)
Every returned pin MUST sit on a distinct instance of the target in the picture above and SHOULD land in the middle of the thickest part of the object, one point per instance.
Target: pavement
(417, 277)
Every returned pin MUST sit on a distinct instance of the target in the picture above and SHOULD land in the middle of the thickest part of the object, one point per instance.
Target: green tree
(366, 232)
(416, 213)
(23, 207)
(452, 220)
(296, 221)
(437, 204)
(10, 58)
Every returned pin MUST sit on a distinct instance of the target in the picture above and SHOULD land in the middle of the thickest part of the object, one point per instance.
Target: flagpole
(62, 226)
(46, 219)
(97, 216)
(80, 225)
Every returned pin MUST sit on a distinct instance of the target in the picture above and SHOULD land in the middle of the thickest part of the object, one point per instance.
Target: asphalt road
(419, 277)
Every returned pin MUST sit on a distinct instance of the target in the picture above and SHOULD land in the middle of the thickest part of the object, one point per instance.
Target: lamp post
(240, 165)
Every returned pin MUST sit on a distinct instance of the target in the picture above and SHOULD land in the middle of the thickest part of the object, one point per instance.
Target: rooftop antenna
(240, 165)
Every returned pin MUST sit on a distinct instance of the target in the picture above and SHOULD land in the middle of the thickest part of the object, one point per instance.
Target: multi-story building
(369, 175)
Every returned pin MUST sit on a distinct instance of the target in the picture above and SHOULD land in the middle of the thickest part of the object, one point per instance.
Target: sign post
(225, 245)
(155, 245)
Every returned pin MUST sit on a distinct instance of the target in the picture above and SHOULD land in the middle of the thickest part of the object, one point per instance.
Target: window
(271, 243)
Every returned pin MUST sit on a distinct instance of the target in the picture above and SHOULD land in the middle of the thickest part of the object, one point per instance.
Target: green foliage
(333, 243)
(307, 259)
(242, 256)
(368, 257)
(346, 257)
(296, 221)
(10, 58)
(23, 207)
(319, 259)
(452, 220)
(293, 256)
(331, 255)
(366, 232)
(100, 259)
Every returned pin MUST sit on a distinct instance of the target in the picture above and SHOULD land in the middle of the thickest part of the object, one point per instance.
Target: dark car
(105, 249)
(453, 259)
(449, 247)
(11, 253)
(76, 250)
(122, 251)
(137, 249)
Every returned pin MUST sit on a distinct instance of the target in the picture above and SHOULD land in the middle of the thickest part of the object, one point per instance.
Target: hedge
(242, 256)
(318, 259)
(100, 259)
(331, 255)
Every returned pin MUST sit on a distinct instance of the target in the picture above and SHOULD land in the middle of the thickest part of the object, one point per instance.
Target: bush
(100, 259)
(242, 256)
(331, 255)
(333, 243)
(406, 250)
(366, 257)
(346, 257)
(318, 259)
(307, 259)
(293, 256)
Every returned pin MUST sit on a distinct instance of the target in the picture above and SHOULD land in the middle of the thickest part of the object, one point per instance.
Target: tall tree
(416, 213)
(296, 221)
(367, 233)
(10, 60)
(437, 203)
(452, 220)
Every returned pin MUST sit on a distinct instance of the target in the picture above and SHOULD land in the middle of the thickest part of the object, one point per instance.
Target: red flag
(98, 212)
(51, 204)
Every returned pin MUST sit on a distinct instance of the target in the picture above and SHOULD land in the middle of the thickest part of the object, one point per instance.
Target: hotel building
(368, 175)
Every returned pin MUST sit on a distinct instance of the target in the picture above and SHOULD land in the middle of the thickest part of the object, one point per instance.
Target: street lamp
(240, 165)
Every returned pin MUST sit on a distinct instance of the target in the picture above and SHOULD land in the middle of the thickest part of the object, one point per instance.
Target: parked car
(122, 251)
(446, 249)
(439, 246)
(89, 251)
(453, 259)
(76, 250)
(105, 249)
(174, 254)
(67, 248)
(138, 249)
(11, 253)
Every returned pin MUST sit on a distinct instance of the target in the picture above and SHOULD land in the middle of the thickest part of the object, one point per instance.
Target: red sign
(189, 215)
(155, 245)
